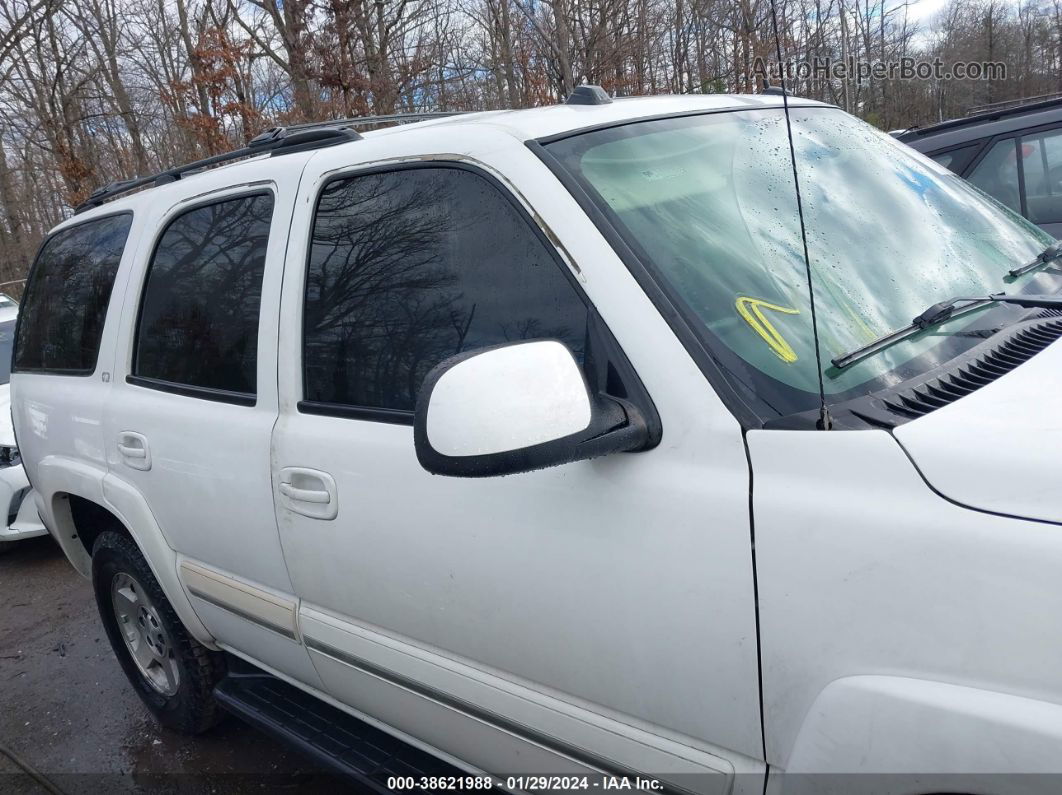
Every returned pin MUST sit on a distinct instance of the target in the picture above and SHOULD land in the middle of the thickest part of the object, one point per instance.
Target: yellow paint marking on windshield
(751, 309)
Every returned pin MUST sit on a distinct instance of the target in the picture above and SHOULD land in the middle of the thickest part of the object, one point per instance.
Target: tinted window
(1041, 157)
(410, 267)
(199, 316)
(997, 174)
(67, 295)
(944, 158)
(958, 159)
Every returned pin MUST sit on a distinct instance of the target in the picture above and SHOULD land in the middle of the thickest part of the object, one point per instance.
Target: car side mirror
(515, 408)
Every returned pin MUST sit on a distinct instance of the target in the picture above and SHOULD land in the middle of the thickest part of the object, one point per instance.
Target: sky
(924, 13)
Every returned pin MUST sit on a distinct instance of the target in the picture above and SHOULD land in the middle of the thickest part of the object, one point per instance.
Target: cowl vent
(984, 363)
(992, 363)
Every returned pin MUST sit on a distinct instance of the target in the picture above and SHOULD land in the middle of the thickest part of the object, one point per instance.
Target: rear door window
(197, 332)
(67, 295)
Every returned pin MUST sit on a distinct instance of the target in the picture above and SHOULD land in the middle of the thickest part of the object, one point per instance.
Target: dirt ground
(69, 715)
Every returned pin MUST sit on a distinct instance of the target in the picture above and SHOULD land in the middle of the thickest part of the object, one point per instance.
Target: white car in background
(18, 512)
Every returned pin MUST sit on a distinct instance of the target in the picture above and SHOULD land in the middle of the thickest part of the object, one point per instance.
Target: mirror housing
(516, 408)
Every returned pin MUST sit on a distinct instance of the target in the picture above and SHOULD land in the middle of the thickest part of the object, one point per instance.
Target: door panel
(194, 403)
(521, 729)
(618, 590)
(212, 499)
(574, 577)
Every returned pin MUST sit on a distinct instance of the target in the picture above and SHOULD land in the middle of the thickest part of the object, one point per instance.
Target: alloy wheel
(144, 634)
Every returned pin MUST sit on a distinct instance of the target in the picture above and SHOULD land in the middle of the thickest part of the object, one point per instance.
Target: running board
(339, 742)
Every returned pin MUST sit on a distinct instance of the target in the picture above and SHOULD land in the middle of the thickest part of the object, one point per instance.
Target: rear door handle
(133, 447)
(308, 492)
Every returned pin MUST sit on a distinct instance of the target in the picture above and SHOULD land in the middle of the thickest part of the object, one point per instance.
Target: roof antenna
(825, 422)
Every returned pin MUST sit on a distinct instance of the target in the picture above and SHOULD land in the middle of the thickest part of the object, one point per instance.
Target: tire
(173, 674)
(6, 546)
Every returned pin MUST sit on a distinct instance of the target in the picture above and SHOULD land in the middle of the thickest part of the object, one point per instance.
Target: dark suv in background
(1012, 151)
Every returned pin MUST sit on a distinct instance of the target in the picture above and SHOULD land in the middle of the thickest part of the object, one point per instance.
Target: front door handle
(316, 496)
(308, 492)
(134, 450)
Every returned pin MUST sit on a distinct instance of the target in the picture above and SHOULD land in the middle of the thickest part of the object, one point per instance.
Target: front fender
(927, 731)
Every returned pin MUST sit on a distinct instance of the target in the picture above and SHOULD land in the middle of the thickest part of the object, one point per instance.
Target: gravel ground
(68, 713)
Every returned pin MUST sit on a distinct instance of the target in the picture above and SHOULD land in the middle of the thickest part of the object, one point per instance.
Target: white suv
(267, 407)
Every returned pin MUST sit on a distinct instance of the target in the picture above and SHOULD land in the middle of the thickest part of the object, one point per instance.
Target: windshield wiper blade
(1054, 251)
(938, 313)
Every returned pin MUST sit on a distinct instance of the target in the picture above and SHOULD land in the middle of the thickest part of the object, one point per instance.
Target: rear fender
(58, 477)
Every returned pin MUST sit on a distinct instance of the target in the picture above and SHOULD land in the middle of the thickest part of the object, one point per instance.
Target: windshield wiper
(1054, 251)
(946, 310)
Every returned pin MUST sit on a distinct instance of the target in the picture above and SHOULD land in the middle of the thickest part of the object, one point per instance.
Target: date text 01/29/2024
(525, 783)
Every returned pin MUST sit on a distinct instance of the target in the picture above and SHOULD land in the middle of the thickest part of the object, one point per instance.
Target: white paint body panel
(932, 727)
(995, 449)
(865, 572)
(527, 709)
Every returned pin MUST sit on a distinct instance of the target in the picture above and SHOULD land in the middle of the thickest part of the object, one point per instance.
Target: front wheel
(173, 674)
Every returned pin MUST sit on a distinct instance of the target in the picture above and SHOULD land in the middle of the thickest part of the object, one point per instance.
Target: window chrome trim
(190, 390)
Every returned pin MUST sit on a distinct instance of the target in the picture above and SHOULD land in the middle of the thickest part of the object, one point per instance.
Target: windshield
(7, 340)
(707, 202)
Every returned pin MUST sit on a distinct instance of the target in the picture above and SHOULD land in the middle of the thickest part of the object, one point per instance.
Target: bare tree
(105, 89)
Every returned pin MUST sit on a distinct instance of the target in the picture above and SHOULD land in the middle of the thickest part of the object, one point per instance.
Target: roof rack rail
(1013, 104)
(275, 141)
(984, 113)
(371, 121)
